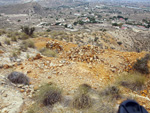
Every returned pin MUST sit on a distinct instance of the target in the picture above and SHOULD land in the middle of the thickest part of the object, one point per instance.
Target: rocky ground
(74, 65)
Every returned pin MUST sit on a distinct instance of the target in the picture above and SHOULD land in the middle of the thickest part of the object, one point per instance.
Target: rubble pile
(54, 46)
(88, 54)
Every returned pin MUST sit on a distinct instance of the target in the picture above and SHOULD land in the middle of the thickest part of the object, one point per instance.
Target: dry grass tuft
(134, 81)
(49, 53)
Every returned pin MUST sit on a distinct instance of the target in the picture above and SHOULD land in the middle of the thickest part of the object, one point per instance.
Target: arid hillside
(48, 72)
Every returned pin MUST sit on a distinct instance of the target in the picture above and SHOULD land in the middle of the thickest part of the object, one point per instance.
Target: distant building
(77, 14)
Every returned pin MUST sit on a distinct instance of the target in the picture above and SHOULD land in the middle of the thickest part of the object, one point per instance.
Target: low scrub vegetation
(84, 88)
(46, 96)
(112, 91)
(13, 39)
(16, 52)
(134, 81)
(7, 41)
(49, 53)
(27, 43)
(82, 101)
(141, 65)
(2, 32)
(23, 36)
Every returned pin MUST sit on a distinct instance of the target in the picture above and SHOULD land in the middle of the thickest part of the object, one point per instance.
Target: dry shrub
(27, 43)
(134, 81)
(142, 64)
(45, 98)
(47, 52)
(112, 91)
(82, 101)
(23, 36)
(7, 41)
(49, 94)
(84, 88)
(2, 32)
(13, 38)
(18, 78)
(52, 97)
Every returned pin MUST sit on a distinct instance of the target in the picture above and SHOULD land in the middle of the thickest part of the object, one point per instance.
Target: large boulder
(18, 78)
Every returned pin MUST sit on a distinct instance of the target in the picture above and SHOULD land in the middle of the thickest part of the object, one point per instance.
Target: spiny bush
(18, 78)
(52, 97)
(142, 64)
(82, 101)
(47, 52)
(48, 94)
(45, 97)
(27, 30)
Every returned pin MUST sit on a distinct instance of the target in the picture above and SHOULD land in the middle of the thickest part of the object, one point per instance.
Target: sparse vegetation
(2, 32)
(134, 81)
(142, 64)
(18, 78)
(23, 36)
(15, 53)
(27, 43)
(84, 88)
(7, 41)
(111, 91)
(82, 101)
(13, 38)
(52, 97)
(47, 95)
(48, 52)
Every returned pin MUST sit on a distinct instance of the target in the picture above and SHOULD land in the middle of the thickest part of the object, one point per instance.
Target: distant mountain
(25, 8)
(53, 3)
(8, 2)
(58, 3)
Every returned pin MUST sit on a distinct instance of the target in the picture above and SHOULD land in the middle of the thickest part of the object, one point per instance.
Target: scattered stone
(87, 54)
(6, 66)
(22, 90)
(54, 46)
(38, 56)
(11, 101)
(1, 51)
(29, 71)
